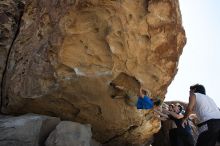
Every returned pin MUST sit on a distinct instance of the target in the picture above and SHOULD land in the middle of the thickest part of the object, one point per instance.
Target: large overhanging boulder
(68, 52)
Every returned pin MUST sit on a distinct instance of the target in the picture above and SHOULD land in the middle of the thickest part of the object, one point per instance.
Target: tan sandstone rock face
(68, 52)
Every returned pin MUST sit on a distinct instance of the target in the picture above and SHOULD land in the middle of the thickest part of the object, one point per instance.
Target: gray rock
(94, 143)
(26, 130)
(70, 134)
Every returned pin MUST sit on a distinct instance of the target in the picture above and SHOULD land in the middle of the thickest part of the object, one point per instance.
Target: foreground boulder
(70, 134)
(26, 130)
(67, 53)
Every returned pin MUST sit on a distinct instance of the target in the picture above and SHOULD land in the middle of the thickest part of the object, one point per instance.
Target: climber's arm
(161, 114)
(140, 92)
(175, 115)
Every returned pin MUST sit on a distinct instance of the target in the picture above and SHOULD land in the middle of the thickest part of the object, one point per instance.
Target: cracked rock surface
(65, 53)
(10, 17)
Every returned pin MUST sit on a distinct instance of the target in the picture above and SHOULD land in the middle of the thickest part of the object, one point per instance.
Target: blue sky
(200, 61)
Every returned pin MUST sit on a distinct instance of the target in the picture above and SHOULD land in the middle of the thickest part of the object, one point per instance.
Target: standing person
(207, 113)
(171, 107)
(179, 136)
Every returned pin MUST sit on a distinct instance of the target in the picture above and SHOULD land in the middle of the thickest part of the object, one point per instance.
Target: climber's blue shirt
(144, 103)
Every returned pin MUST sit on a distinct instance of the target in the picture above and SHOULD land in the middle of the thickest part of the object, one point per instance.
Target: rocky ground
(40, 130)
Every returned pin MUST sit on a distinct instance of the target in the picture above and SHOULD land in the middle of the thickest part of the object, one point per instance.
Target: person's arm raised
(141, 94)
(189, 109)
(161, 114)
(175, 115)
